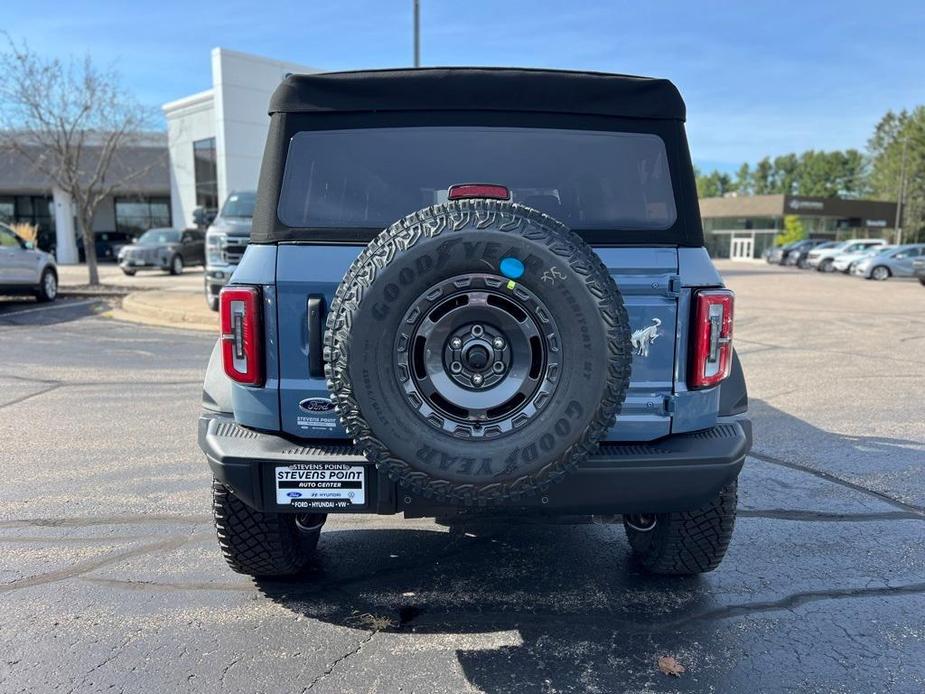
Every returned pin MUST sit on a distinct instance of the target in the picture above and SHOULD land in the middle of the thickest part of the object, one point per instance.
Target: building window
(30, 209)
(136, 215)
(205, 170)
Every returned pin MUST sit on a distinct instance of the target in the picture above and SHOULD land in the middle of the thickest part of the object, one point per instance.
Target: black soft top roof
(480, 89)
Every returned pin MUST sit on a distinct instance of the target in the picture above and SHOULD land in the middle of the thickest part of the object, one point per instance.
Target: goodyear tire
(477, 351)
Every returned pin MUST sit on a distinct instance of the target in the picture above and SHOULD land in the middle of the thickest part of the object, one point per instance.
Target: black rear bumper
(676, 473)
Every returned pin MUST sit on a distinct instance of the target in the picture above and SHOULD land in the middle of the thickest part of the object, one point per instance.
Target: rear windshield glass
(372, 177)
(240, 205)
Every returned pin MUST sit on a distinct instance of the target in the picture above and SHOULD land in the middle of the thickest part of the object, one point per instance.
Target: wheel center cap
(477, 357)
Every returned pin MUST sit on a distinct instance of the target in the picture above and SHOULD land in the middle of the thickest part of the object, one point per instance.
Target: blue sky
(758, 77)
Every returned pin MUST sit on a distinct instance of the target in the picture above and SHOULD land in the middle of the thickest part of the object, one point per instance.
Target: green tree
(763, 178)
(885, 149)
(786, 173)
(743, 180)
(793, 231)
(714, 184)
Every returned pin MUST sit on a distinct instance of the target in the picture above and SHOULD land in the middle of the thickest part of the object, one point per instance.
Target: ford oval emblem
(316, 405)
(293, 495)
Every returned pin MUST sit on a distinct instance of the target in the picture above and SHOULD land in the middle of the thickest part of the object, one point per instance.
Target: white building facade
(216, 137)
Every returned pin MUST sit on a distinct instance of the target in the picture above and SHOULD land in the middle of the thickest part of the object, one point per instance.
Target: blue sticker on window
(512, 268)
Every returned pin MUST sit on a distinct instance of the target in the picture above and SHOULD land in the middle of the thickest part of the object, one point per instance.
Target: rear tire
(827, 265)
(176, 265)
(129, 273)
(688, 542)
(880, 273)
(262, 544)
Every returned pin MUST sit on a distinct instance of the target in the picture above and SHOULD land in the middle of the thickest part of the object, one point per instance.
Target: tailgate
(647, 277)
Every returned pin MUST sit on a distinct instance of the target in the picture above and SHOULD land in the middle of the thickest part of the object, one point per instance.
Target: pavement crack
(89, 565)
(794, 600)
(105, 520)
(337, 661)
(37, 393)
(821, 516)
(829, 477)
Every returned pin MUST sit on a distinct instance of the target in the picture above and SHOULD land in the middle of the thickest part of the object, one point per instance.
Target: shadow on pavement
(884, 465)
(27, 311)
(569, 605)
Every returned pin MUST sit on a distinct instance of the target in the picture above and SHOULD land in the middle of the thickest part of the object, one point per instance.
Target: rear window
(369, 178)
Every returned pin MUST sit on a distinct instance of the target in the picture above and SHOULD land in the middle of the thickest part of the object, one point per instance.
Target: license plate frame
(320, 486)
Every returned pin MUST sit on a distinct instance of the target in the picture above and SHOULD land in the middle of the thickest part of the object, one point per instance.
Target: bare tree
(69, 120)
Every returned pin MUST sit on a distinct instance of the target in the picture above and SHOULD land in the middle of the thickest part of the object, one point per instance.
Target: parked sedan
(776, 254)
(798, 250)
(169, 250)
(918, 268)
(824, 259)
(895, 262)
(846, 262)
(802, 256)
(24, 269)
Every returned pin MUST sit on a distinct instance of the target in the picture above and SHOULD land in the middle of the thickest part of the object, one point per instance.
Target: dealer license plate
(320, 485)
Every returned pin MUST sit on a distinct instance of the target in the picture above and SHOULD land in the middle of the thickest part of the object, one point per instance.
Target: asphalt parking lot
(111, 579)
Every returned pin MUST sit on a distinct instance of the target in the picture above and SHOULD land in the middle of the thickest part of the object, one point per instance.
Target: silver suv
(226, 239)
(25, 269)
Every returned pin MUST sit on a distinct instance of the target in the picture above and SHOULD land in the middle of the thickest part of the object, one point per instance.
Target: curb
(168, 310)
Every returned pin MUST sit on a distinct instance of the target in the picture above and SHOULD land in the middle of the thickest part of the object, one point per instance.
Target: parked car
(918, 268)
(792, 255)
(25, 269)
(823, 259)
(226, 239)
(776, 254)
(845, 262)
(165, 249)
(898, 261)
(801, 258)
(108, 244)
(475, 352)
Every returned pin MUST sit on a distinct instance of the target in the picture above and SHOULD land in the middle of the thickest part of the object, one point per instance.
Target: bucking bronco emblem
(644, 337)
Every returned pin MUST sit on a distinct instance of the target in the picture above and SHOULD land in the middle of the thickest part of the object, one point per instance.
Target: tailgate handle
(315, 334)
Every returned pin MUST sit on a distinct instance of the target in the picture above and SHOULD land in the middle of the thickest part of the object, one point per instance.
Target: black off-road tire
(508, 477)
(688, 542)
(260, 544)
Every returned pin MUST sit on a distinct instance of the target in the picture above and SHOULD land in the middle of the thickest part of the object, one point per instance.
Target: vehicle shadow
(888, 465)
(17, 310)
(570, 609)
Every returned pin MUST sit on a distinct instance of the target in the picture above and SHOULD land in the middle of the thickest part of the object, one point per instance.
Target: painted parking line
(49, 307)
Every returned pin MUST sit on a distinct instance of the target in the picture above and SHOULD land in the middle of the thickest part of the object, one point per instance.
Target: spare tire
(477, 351)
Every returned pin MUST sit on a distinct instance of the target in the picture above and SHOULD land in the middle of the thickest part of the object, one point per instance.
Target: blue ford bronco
(475, 291)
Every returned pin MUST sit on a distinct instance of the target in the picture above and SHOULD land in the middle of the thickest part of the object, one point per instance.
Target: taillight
(463, 191)
(242, 351)
(711, 349)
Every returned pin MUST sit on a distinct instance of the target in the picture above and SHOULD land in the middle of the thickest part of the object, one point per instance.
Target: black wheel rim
(478, 356)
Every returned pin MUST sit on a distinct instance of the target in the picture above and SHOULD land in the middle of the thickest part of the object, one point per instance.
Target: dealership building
(216, 137)
(742, 227)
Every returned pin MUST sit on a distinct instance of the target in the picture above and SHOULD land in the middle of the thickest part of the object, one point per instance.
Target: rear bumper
(676, 473)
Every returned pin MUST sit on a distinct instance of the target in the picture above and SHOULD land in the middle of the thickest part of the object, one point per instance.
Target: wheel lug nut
(476, 379)
(456, 343)
(498, 343)
(456, 367)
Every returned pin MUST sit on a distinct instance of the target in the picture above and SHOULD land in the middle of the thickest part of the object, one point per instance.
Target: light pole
(902, 194)
(417, 33)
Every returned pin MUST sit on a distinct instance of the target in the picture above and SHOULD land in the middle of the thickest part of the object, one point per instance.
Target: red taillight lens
(242, 350)
(478, 190)
(711, 350)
